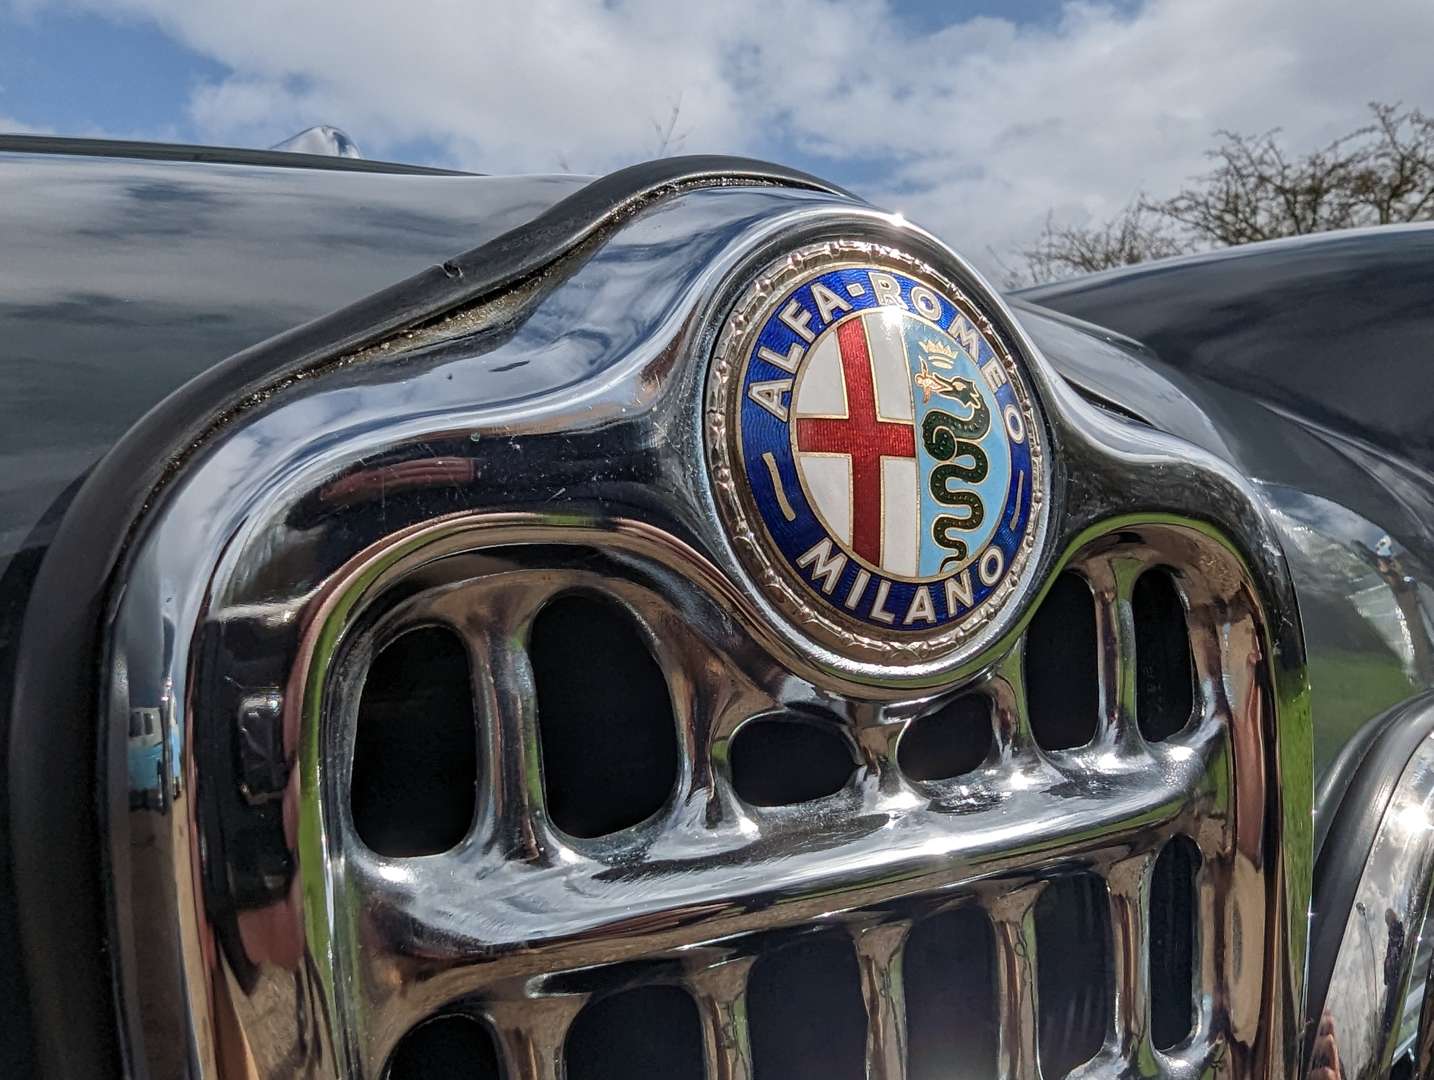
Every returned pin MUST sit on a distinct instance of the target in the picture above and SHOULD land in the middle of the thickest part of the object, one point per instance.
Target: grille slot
(1173, 930)
(1061, 666)
(645, 1031)
(954, 740)
(416, 747)
(1164, 672)
(605, 716)
(949, 967)
(805, 1006)
(1072, 919)
(947, 901)
(781, 761)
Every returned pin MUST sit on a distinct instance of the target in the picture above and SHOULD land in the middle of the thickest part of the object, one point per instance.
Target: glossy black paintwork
(124, 278)
(1335, 328)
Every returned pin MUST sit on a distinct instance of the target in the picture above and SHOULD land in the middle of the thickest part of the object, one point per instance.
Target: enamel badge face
(875, 449)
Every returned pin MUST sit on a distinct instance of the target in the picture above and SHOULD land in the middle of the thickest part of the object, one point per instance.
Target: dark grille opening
(1073, 972)
(609, 739)
(805, 1012)
(779, 761)
(445, 1047)
(952, 1026)
(649, 1031)
(416, 747)
(1173, 943)
(1061, 675)
(1164, 668)
(952, 741)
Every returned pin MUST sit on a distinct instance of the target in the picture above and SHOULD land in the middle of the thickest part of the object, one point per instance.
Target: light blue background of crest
(993, 488)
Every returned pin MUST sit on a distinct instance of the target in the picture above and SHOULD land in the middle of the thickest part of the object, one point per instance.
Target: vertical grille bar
(1009, 709)
(720, 990)
(1207, 943)
(1013, 915)
(878, 951)
(707, 703)
(531, 1034)
(1129, 884)
(1112, 581)
(510, 794)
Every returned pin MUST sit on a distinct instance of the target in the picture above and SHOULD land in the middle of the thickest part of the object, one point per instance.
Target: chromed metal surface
(710, 867)
(1372, 1012)
(1367, 605)
(552, 439)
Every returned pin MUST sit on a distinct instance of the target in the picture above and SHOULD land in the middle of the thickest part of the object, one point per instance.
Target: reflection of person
(1324, 1061)
(1405, 589)
(1394, 951)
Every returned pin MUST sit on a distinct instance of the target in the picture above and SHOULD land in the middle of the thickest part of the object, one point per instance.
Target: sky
(974, 118)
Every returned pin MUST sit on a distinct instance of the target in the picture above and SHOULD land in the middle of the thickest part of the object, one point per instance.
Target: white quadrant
(828, 482)
(900, 517)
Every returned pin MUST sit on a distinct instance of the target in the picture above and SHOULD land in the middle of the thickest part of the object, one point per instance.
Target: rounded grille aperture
(415, 762)
(605, 717)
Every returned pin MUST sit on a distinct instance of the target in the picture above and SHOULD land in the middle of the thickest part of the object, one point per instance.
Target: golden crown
(933, 348)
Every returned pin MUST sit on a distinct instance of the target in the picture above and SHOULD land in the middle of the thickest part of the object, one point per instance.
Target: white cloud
(975, 131)
(11, 126)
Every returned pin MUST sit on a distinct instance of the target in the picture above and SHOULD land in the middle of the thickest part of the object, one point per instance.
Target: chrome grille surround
(252, 929)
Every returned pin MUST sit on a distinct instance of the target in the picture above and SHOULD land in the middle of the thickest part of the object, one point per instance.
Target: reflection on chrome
(1376, 1010)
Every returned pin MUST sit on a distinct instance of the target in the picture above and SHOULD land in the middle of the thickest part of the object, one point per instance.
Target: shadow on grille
(649, 1031)
(609, 739)
(416, 747)
(1164, 669)
(950, 969)
(1073, 966)
(778, 761)
(1172, 943)
(806, 1014)
(954, 740)
(1061, 672)
(444, 1047)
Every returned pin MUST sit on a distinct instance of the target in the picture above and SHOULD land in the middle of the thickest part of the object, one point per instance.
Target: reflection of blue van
(146, 758)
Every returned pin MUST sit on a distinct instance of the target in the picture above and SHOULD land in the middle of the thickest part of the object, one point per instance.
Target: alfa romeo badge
(876, 450)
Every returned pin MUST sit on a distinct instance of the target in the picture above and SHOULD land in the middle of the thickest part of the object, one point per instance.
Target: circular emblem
(875, 449)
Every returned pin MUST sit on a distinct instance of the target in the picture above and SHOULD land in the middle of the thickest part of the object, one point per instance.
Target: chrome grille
(545, 440)
(522, 926)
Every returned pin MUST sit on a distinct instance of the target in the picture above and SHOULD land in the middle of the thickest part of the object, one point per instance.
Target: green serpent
(952, 439)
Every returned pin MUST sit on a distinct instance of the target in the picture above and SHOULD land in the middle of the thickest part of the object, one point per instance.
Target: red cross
(863, 436)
